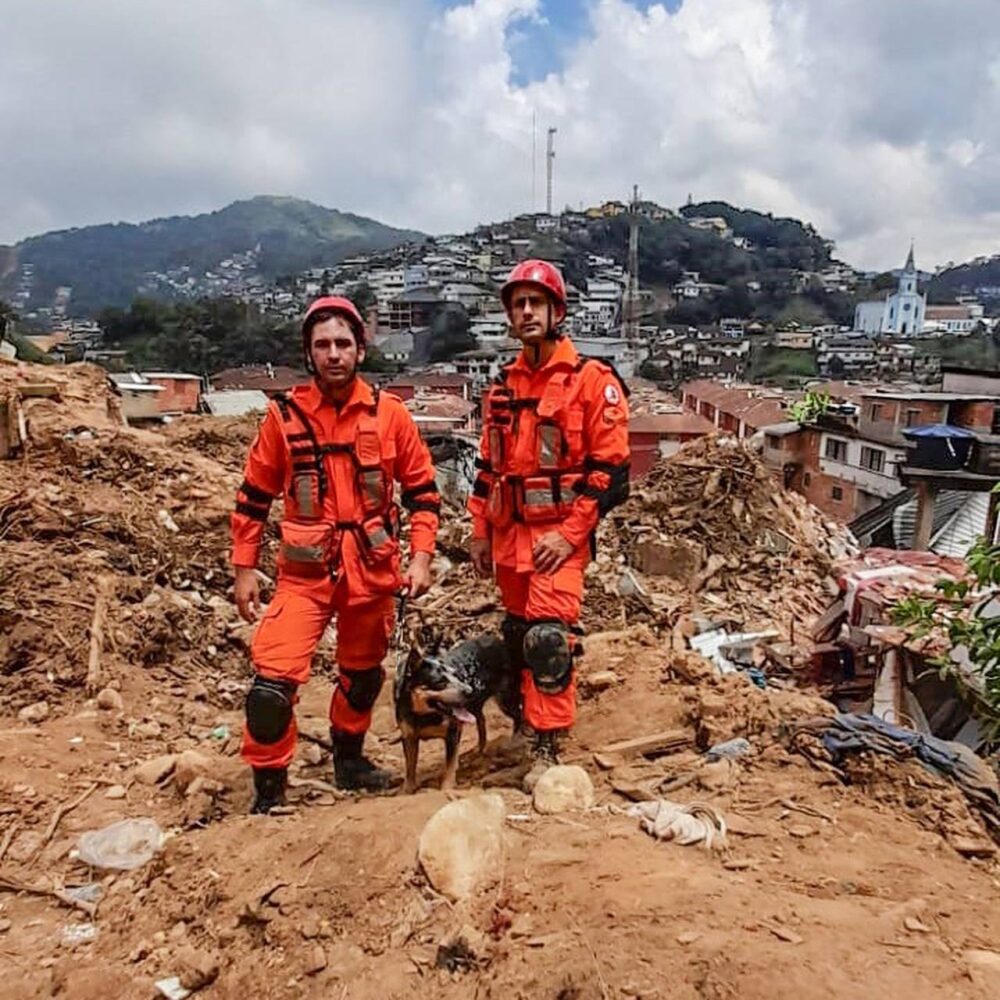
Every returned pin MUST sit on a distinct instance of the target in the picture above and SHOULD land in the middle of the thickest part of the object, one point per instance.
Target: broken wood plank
(94, 673)
(653, 745)
(10, 884)
(38, 390)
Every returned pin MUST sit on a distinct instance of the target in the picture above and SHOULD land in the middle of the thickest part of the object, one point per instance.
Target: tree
(450, 332)
(363, 297)
(958, 612)
(7, 316)
(375, 361)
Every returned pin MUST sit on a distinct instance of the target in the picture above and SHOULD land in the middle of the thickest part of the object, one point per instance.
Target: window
(912, 418)
(772, 441)
(806, 479)
(837, 493)
(872, 458)
(836, 449)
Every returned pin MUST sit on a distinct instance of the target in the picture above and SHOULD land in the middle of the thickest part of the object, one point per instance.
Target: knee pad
(549, 656)
(361, 687)
(269, 709)
(513, 629)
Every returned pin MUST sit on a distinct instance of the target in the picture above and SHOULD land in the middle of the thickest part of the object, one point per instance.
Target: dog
(436, 694)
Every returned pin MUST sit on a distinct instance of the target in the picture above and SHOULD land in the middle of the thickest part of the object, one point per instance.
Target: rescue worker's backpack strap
(302, 453)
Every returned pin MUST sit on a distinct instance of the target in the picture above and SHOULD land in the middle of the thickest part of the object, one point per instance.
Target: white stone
(562, 788)
(461, 848)
(110, 700)
(38, 712)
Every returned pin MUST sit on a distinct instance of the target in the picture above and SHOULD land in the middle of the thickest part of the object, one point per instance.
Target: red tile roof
(670, 424)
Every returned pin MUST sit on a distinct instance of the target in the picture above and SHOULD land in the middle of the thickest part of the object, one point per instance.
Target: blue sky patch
(538, 49)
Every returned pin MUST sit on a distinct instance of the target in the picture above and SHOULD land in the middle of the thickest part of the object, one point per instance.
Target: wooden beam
(925, 516)
(653, 745)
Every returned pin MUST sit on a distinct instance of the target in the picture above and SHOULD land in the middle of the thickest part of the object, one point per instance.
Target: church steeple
(908, 277)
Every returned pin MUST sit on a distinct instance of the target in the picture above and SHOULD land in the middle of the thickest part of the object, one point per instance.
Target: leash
(397, 640)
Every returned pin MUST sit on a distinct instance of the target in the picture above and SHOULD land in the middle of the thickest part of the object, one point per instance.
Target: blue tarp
(937, 431)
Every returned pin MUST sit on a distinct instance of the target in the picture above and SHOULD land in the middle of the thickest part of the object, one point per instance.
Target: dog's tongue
(463, 715)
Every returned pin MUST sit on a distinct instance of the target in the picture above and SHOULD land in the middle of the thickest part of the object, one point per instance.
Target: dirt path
(864, 903)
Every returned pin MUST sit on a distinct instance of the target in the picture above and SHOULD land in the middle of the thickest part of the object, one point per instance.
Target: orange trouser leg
(363, 632)
(282, 649)
(544, 597)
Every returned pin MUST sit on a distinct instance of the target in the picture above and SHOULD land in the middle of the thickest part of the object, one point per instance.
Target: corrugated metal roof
(904, 518)
(234, 402)
(964, 526)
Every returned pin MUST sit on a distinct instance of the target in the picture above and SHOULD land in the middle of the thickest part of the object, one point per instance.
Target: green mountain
(110, 264)
(980, 278)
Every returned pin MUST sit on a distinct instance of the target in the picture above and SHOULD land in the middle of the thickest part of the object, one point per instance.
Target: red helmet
(331, 304)
(542, 274)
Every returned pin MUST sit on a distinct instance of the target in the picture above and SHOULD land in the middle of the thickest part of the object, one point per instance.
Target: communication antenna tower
(550, 157)
(632, 294)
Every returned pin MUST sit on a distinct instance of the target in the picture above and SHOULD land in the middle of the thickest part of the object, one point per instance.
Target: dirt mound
(836, 884)
(94, 508)
(710, 523)
(224, 439)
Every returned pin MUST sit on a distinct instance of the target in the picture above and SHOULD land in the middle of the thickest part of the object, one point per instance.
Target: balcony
(882, 484)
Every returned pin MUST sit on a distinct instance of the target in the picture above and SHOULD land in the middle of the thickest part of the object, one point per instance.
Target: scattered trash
(90, 893)
(167, 521)
(79, 934)
(457, 956)
(695, 823)
(848, 733)
(738, 747)
(127, 844)
(219, 733)
(729, 652)
(171, 988)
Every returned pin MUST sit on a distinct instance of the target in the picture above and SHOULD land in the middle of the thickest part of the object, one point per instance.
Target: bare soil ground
(833, 885)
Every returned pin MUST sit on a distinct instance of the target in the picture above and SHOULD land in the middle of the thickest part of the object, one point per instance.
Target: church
(902, 313)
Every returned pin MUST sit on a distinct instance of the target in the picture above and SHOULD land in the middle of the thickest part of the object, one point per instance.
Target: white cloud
(876, 127)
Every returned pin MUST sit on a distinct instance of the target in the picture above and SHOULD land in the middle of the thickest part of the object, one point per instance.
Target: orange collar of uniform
(311, 399)
(565, 354)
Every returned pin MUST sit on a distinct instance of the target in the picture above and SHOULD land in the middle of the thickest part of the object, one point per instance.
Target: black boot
(352, 771)
(544, 754)
(269, 784)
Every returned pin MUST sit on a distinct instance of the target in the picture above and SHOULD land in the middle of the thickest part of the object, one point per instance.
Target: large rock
(36, 713)
(562, 788)
(109, 700)
(462, 848)
(153, 771)
(190, 765)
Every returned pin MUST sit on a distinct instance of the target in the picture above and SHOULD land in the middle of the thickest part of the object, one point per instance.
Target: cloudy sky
(876, 120)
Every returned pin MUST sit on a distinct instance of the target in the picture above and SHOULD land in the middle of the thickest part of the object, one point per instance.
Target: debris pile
(115, 551)
(712, 525)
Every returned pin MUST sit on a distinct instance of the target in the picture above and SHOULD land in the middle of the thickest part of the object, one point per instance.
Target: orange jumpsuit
(335, 469)
(563, 432)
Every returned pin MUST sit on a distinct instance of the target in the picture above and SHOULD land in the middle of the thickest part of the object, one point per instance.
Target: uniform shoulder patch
(611, 394)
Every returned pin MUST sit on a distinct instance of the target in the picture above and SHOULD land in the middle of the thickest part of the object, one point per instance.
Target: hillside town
(842, 433)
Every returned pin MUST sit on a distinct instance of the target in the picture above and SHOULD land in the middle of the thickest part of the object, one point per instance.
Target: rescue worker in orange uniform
(332, 450)
(553, 459)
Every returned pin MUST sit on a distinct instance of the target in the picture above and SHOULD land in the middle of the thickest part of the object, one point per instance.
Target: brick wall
(975, 416)
(178, 396)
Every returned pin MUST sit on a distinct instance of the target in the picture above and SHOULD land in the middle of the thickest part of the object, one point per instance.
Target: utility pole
(632, 296)
(550, 157)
